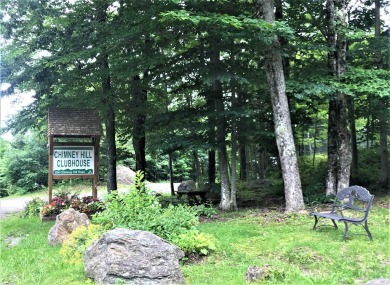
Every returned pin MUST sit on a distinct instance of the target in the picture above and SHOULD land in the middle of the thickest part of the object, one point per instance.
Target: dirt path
(9, 206)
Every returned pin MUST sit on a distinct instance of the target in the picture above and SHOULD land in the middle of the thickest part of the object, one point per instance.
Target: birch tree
(283, 131)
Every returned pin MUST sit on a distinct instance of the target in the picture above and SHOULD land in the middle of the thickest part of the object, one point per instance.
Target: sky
(10, 105)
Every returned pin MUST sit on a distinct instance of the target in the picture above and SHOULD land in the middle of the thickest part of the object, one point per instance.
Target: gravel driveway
(8, 206)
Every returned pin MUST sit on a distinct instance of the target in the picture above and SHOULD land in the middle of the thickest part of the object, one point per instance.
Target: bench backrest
(347, 197)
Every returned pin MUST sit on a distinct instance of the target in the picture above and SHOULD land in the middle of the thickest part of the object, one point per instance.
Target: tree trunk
(107, 100)
(262, 157)
(226, 198)
(196, 166)
(242, 139)
(233, 191)
(139, 141)
(211, 137)
(339, 145)
(352, 124)
(384, 111)
(170, 164)
(223, 163)
(211, 167)
(243, 164)
(281, 113)
(315, 139)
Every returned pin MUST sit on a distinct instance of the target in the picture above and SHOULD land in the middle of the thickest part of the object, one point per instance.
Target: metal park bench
(351, 206)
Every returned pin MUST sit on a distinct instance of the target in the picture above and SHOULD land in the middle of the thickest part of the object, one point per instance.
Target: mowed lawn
(284, 245)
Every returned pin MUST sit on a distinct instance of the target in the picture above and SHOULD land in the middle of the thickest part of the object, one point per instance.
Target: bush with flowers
(62, 202)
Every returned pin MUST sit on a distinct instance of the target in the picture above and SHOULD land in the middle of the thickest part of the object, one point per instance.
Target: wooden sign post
(74, 139)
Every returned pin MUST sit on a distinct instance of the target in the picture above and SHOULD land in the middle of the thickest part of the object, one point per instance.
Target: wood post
(50, 178)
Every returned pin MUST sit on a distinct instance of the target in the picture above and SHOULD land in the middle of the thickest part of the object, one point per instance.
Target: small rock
(12, 241)
(66, 223)
(255, 273)
(124, 175)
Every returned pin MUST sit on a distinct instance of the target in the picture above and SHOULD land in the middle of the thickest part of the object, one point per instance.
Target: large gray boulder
(187, 186)
(66, 223)
(133, 257)
(124, 175)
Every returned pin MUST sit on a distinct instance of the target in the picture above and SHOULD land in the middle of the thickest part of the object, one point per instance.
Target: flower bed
(87, 205)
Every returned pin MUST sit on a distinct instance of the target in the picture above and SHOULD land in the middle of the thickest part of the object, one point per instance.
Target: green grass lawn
(294, 253)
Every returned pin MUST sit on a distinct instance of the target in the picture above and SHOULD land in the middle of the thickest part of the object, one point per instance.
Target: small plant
(33, 208)
(206, 210)
(195, 242)
(74, 247)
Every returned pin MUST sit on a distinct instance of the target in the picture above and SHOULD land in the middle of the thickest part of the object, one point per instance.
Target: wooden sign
(69, 158)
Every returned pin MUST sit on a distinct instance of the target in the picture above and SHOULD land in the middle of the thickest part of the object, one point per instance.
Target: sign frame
(70, 160)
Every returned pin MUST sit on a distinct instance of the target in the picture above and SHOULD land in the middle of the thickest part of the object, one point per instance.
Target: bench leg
(366, 228)
(318, 218)
(315, 222)
(335, 225)
(345, 230)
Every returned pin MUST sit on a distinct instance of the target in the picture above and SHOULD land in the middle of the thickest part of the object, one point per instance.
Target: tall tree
(107, 96)
(384, 114)
(283, 131)
(339, 137)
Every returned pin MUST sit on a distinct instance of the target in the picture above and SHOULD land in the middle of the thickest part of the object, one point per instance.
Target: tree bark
(226, 198)
(384, 111)
(170, 164)
(242, 139)
(196, 164)
(243, 164)
(139, 141)
(339, 137)
(262, 163)
(352, 124)
(107, 99)
(233, 186)
(281, 113)
(211, 138)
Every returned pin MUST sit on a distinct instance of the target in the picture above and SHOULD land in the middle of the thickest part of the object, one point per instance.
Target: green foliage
(74, 247)
(195, 242)
(313, 177)
(206, 210)
(3, 168)
(27, 164)
(367, 174)
(33, 208)
(139, 209)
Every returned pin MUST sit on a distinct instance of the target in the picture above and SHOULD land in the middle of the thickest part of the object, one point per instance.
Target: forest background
(183, 89)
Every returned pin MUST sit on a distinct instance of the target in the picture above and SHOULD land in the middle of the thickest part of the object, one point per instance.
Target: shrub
(33, 208)
(206, 210)
(140, 210)
(74, 247)
(195, 242)
(26, 164)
